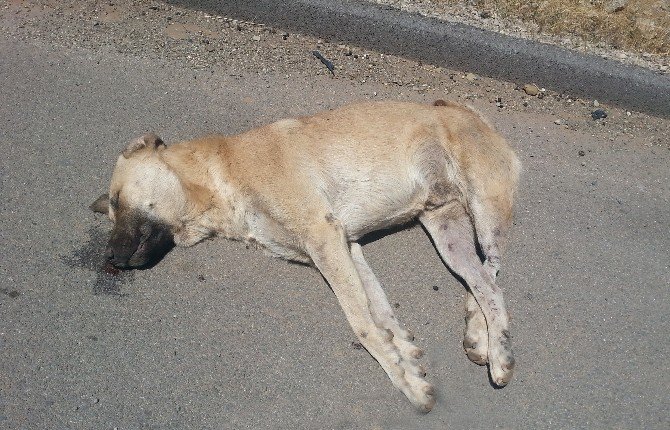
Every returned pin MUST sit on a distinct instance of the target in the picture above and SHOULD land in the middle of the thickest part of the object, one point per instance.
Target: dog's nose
(113, 260)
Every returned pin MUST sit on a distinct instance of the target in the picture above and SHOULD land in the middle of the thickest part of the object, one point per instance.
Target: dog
(307, 189)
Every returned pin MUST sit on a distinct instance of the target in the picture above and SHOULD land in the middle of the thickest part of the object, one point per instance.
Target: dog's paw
(476, 337)
(421, 394)
(411, 374)
(501, 359)
(476, 349)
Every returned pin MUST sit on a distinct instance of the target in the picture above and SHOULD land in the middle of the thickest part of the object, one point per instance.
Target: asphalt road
(223, 337)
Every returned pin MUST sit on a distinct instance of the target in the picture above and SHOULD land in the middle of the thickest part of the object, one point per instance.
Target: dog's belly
(367, 206)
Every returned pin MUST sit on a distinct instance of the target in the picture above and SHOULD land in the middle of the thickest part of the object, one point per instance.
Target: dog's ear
(148, 140)
(101, 204)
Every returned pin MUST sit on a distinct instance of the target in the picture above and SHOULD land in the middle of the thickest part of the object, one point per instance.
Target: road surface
(223, 337)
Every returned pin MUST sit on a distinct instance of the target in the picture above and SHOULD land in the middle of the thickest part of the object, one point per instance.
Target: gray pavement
(223, 337)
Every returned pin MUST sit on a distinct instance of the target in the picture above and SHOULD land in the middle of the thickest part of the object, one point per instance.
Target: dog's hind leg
(492, 223)
(383, 315)
(452, 232)
(476, 335)
(327, 246)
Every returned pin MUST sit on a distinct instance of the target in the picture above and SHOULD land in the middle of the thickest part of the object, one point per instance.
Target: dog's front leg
(384, 317)
(329, 250)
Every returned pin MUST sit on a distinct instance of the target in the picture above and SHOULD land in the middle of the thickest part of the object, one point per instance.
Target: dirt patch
(635, 25)
(633, 32)
(111, 14)
(178, 30)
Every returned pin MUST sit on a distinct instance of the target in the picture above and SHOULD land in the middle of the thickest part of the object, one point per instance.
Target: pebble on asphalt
(598, 114)
(531, 89)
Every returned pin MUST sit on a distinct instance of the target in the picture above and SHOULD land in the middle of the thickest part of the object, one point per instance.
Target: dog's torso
(368, 166)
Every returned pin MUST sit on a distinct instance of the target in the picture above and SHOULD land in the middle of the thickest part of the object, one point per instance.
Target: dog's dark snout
(112, 258)
(137, 242)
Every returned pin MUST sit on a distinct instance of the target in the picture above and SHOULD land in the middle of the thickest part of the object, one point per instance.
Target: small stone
(628, 113)
(596, 103)
(531, 90)
(201, 278)
(485, 14)
(581, 153)
(598, 114)
(471, 77)
(558, 122)
(284, 36)
(357, 345)
(613, 6)
(435, 287)
(256, 38)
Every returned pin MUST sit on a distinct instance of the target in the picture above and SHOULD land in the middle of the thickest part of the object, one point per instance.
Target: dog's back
(381, 164)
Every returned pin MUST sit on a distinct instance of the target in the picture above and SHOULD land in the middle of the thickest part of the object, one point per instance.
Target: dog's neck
(210, 210)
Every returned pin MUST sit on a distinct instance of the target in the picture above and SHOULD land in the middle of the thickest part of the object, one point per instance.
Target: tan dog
(307, 189)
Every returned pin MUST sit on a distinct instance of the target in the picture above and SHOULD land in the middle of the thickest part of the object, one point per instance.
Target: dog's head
(145, 202)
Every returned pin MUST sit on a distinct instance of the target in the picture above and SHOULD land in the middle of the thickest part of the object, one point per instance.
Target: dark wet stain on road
(91, 256)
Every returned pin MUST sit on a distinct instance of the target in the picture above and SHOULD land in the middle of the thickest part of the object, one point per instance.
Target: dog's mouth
(138, 242)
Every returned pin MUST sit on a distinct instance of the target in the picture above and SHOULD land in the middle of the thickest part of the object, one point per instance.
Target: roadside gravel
(153, 29)
(467, 13)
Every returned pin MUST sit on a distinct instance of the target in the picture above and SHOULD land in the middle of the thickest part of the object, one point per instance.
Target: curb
(459, 47)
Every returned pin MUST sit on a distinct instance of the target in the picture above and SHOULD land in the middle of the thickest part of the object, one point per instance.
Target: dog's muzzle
(138, 241)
